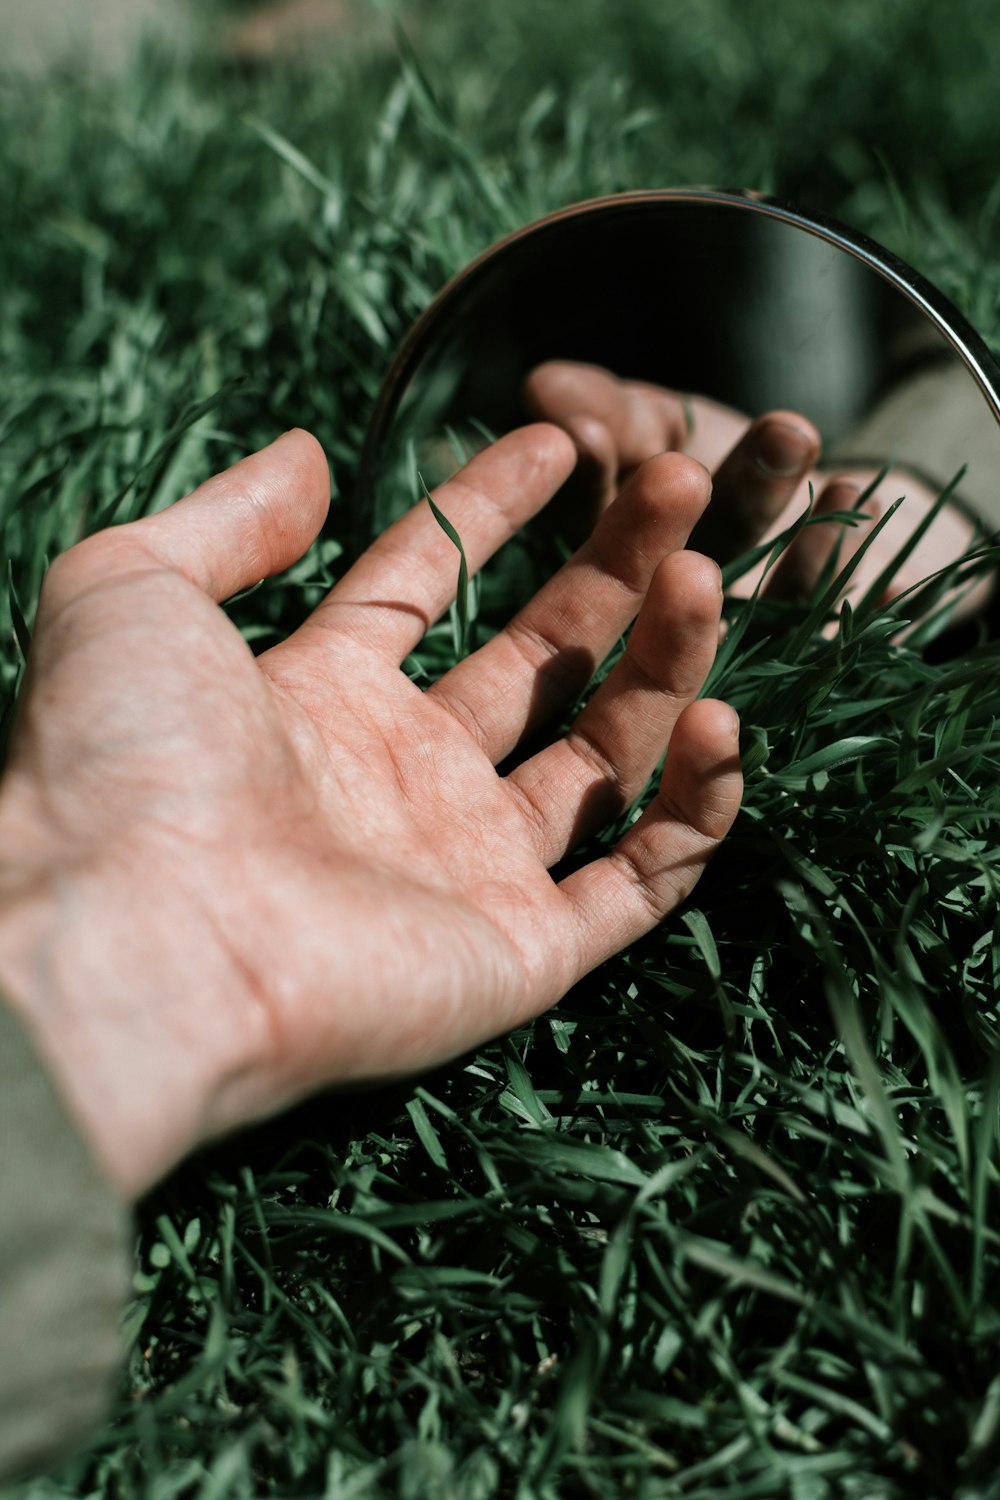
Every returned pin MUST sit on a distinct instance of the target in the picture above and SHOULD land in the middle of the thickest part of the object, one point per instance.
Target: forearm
(934, 423)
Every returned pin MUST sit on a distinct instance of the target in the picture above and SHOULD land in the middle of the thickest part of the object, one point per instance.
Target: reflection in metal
(730, 295)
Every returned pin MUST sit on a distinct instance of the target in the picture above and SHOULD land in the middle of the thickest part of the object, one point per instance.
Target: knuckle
(93, 558)
(658, 893)
(562, 672)
(97, 560)
(708, 820)
(530, 810)
(588, 748)
(455, 705)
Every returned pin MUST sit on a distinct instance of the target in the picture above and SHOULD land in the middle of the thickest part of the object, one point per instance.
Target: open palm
(245, 878)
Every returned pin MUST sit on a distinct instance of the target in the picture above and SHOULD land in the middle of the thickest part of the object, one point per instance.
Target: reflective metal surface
(729, 295)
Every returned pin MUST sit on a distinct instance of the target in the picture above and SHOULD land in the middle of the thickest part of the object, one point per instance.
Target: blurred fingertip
(591, 437)
(783, 447)
(840, 493)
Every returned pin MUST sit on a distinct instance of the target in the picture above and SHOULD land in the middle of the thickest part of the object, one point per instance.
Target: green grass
(725, 1224)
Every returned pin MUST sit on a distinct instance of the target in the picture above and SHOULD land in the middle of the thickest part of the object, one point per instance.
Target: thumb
(248, 523)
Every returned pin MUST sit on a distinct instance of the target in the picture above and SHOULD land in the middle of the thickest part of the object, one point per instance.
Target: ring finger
(590, 777)
(547, 654)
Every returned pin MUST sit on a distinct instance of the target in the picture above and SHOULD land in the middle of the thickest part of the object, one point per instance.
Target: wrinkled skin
(227, 880)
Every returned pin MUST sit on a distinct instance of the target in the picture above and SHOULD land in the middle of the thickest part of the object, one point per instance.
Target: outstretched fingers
(642, 420)
(797, 573)
(584, 781)
(547, 654)
(615, 424)
(408, 576)
(618, 899)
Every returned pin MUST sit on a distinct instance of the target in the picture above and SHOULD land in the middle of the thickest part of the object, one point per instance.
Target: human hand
(227, 881)
(759, 468)
(765, 472)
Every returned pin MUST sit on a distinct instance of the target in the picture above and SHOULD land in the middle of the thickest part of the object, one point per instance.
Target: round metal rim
(957, 331)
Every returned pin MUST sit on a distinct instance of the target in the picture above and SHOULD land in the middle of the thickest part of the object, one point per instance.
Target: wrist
(138, 1042)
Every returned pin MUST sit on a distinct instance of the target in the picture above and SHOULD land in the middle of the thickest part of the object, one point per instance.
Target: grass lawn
(725, 1224)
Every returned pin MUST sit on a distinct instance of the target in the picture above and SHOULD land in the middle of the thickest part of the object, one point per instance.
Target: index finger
(407, 578)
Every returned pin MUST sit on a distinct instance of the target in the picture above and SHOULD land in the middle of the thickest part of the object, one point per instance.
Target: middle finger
(547, 654)
(755, 482)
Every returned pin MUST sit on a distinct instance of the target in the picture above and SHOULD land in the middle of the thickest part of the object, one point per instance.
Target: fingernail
(782, 451)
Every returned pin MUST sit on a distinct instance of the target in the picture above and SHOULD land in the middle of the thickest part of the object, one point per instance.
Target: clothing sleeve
(65, 1252)
(932, 423)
